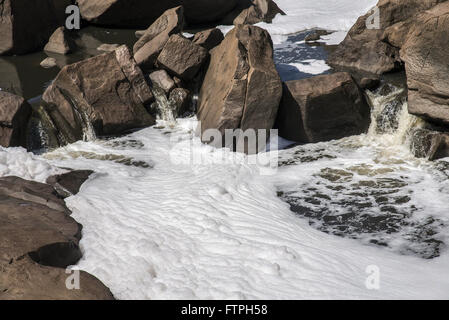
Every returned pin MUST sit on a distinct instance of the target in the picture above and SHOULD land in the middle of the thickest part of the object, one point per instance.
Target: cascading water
(368, 187)
(390, 120)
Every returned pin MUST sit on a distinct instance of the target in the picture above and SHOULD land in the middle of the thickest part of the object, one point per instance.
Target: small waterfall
(88, 129)
(166, 110)
(390, 119)
(86, 125)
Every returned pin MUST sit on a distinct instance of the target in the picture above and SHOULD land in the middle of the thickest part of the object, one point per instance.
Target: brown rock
(242, 88)
(48, 63)
(427, 65)
(69, 184)
(163, 80)
(108, 47)
(103, 95)
(140, 13)
(430, 144)
(182, 58)
(24, 279)
(14, 115)
(36, 231)
(374, 50)
(149, 46)
(26, 25)
(252, 12)
(60, 42)
(322, 108)
(316, 35)
(209, 39)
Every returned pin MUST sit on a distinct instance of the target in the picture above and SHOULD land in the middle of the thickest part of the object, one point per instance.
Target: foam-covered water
(369, 187)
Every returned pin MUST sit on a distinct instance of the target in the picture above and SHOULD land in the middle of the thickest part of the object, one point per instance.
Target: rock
(316, 35)
(69, 184)
(106, 47)
(25, 279)
(368, 83)
(25, 26)
(149, 46)
(14, 115)
(141, 13)
(429, 144)
(163, 80)
(242, 88)
(182, 58)
(427, 65)
(37, 239)
(374, 50)
(209, 39)
(60, 42)
(322, 108)
(180, 100)
(139, 33)
(103, 95)
(48, 63)
(252, 12)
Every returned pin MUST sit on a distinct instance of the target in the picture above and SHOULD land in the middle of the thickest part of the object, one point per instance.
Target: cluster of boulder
(412, 36)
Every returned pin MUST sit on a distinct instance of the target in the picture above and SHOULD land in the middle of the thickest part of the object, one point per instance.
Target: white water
(217, 230)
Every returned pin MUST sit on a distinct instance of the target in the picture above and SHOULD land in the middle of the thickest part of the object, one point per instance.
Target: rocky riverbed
(116, 160)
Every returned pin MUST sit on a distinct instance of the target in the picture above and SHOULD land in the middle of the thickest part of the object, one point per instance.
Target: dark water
(24, 76)
(295, 50)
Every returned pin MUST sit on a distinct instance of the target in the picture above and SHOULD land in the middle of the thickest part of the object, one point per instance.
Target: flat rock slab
(68, 184)
(38, 239)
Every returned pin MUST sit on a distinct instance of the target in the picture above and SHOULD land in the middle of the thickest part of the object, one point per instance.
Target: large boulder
(14, 115)
(427, 64)
(141, 13)
(38, 239)
(242, 88)
(103, 95)
(26, 25)
(375, 50)
(149, 46)
(322, 108)
(182, 58)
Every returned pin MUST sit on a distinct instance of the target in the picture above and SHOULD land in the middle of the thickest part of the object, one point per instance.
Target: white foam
(311, 66)
(19, 162)
(308, 14)
(217, 230)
